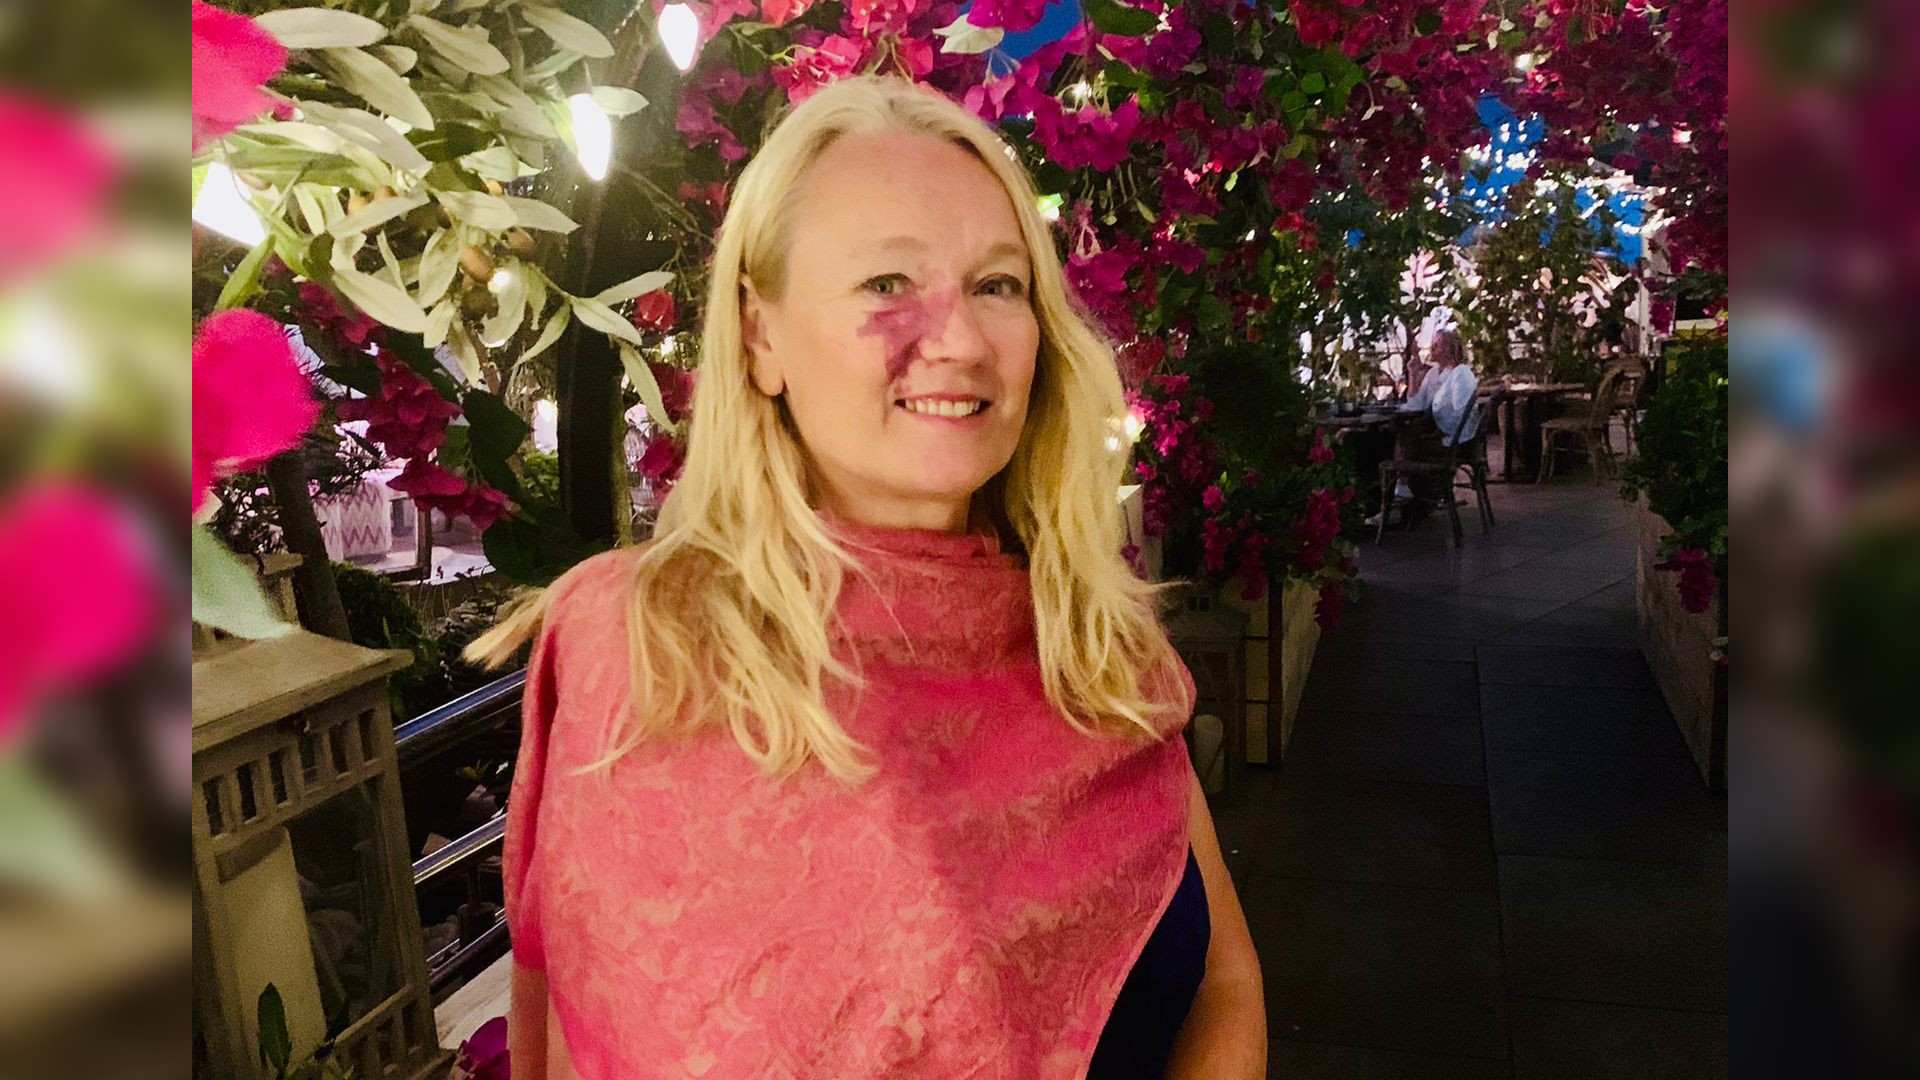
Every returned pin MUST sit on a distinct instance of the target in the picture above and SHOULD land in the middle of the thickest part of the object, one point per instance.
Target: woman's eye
(880, 284)
(1007, 286)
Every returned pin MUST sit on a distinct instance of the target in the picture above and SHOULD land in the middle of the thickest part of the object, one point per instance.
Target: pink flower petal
(56, 176)
(232, 57)
(250, 398)
(80, 597)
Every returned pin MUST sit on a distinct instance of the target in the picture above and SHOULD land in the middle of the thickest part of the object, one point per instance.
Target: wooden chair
(1589, 427)
(1626, 400)
(1469, 454)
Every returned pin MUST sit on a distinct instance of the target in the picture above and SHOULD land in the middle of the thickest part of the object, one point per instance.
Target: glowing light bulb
(224, 208)
(680, 33)
(592, 135)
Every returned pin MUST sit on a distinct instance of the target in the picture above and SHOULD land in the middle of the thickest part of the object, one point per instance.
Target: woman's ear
(763, 367)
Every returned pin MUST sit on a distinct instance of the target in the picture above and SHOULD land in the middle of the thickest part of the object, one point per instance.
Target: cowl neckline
(926, 597)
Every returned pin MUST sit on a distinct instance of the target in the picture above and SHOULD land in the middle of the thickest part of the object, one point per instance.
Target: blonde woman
(867, 764)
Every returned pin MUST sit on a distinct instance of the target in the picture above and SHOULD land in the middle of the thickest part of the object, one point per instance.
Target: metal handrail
(436, 727)
(442, 859)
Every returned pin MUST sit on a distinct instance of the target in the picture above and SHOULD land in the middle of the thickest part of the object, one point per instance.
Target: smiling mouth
(952, 410)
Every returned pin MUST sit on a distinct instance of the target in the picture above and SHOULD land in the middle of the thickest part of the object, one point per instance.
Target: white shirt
(1449, 394)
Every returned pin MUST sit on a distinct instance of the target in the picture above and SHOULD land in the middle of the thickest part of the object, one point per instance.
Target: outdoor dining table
(1370, 435)
(1520, 414)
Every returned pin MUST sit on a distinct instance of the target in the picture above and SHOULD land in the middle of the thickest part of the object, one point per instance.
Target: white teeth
(944, 408)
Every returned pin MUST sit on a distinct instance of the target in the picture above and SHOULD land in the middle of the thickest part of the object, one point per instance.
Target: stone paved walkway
(1487, 854)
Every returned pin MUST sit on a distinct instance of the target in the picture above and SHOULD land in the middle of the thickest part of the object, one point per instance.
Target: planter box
(1679, 647)
(1276, 676)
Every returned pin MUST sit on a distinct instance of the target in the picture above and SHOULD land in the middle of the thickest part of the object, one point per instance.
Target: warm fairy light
(680, 33)
(592, 135)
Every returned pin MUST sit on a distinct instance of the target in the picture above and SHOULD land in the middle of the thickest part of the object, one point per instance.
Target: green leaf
(370, 79)
(495, 433)
(467, 47)
(617, 101)
(1313, 82)
(511, 307)
(319, 28)
(478, 209)
(439, 320)
(641, 376)
(568, 32)
(439, 262)
(1114, 18)
(645, 283)
(226, 594)
(534, 214)
(365, 129)
(965, 38)
(276, 1047)
(48, 850)
(377, 212)
(450, 141)
(398, 57)
(1293, 101)
(533, 554)
(245, 279)
(380, 298)
(557, 324)
(606, 320)
(361, 375)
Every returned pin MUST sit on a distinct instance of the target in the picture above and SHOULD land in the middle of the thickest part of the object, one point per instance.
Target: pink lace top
(972, 911)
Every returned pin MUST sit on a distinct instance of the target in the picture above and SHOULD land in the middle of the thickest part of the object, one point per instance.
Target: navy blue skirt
(1138, 1037)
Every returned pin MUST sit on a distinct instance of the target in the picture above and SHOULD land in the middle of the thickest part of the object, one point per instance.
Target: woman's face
(906, 341)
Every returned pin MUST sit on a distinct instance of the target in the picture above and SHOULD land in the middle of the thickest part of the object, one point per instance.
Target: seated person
(1445, 395)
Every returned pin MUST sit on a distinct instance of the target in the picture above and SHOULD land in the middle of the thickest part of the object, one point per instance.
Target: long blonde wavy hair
(732, 598)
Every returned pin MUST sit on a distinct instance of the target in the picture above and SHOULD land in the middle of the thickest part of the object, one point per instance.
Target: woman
(866, 764)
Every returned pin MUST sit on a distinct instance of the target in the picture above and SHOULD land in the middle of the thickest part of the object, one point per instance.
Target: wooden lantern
(302, 871)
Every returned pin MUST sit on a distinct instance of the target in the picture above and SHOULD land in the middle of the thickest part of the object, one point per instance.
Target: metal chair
(1468, 454)
(1591, 429)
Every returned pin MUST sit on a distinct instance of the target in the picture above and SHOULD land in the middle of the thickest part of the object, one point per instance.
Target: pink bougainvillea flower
(654, 311)
(348, 326)
(80, 595)
(781, 12)
(56, 176)
(1319, 453)
(676, 388)
(232, 57)
(484, 506)
(1010, 15)
(408, 417)
(817, 63)
(697, 121)
(484, 1055)
(660, 463)
(250, 398)
(1699, 585)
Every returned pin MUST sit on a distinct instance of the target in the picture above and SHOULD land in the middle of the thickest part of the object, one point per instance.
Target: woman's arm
(527, 1024)
(1225, 1034)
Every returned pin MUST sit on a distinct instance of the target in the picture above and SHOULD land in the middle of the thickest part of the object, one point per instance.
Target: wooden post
(319, 595)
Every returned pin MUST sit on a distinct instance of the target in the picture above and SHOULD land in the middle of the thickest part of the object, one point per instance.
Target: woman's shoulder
(586, 588)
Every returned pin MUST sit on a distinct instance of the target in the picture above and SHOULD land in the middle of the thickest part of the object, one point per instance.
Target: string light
(592, 135)
(680, 33)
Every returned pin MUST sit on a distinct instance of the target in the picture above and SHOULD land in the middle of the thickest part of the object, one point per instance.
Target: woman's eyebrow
(1005, 249)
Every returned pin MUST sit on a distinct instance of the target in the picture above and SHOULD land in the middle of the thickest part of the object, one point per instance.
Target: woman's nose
(954, 329)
